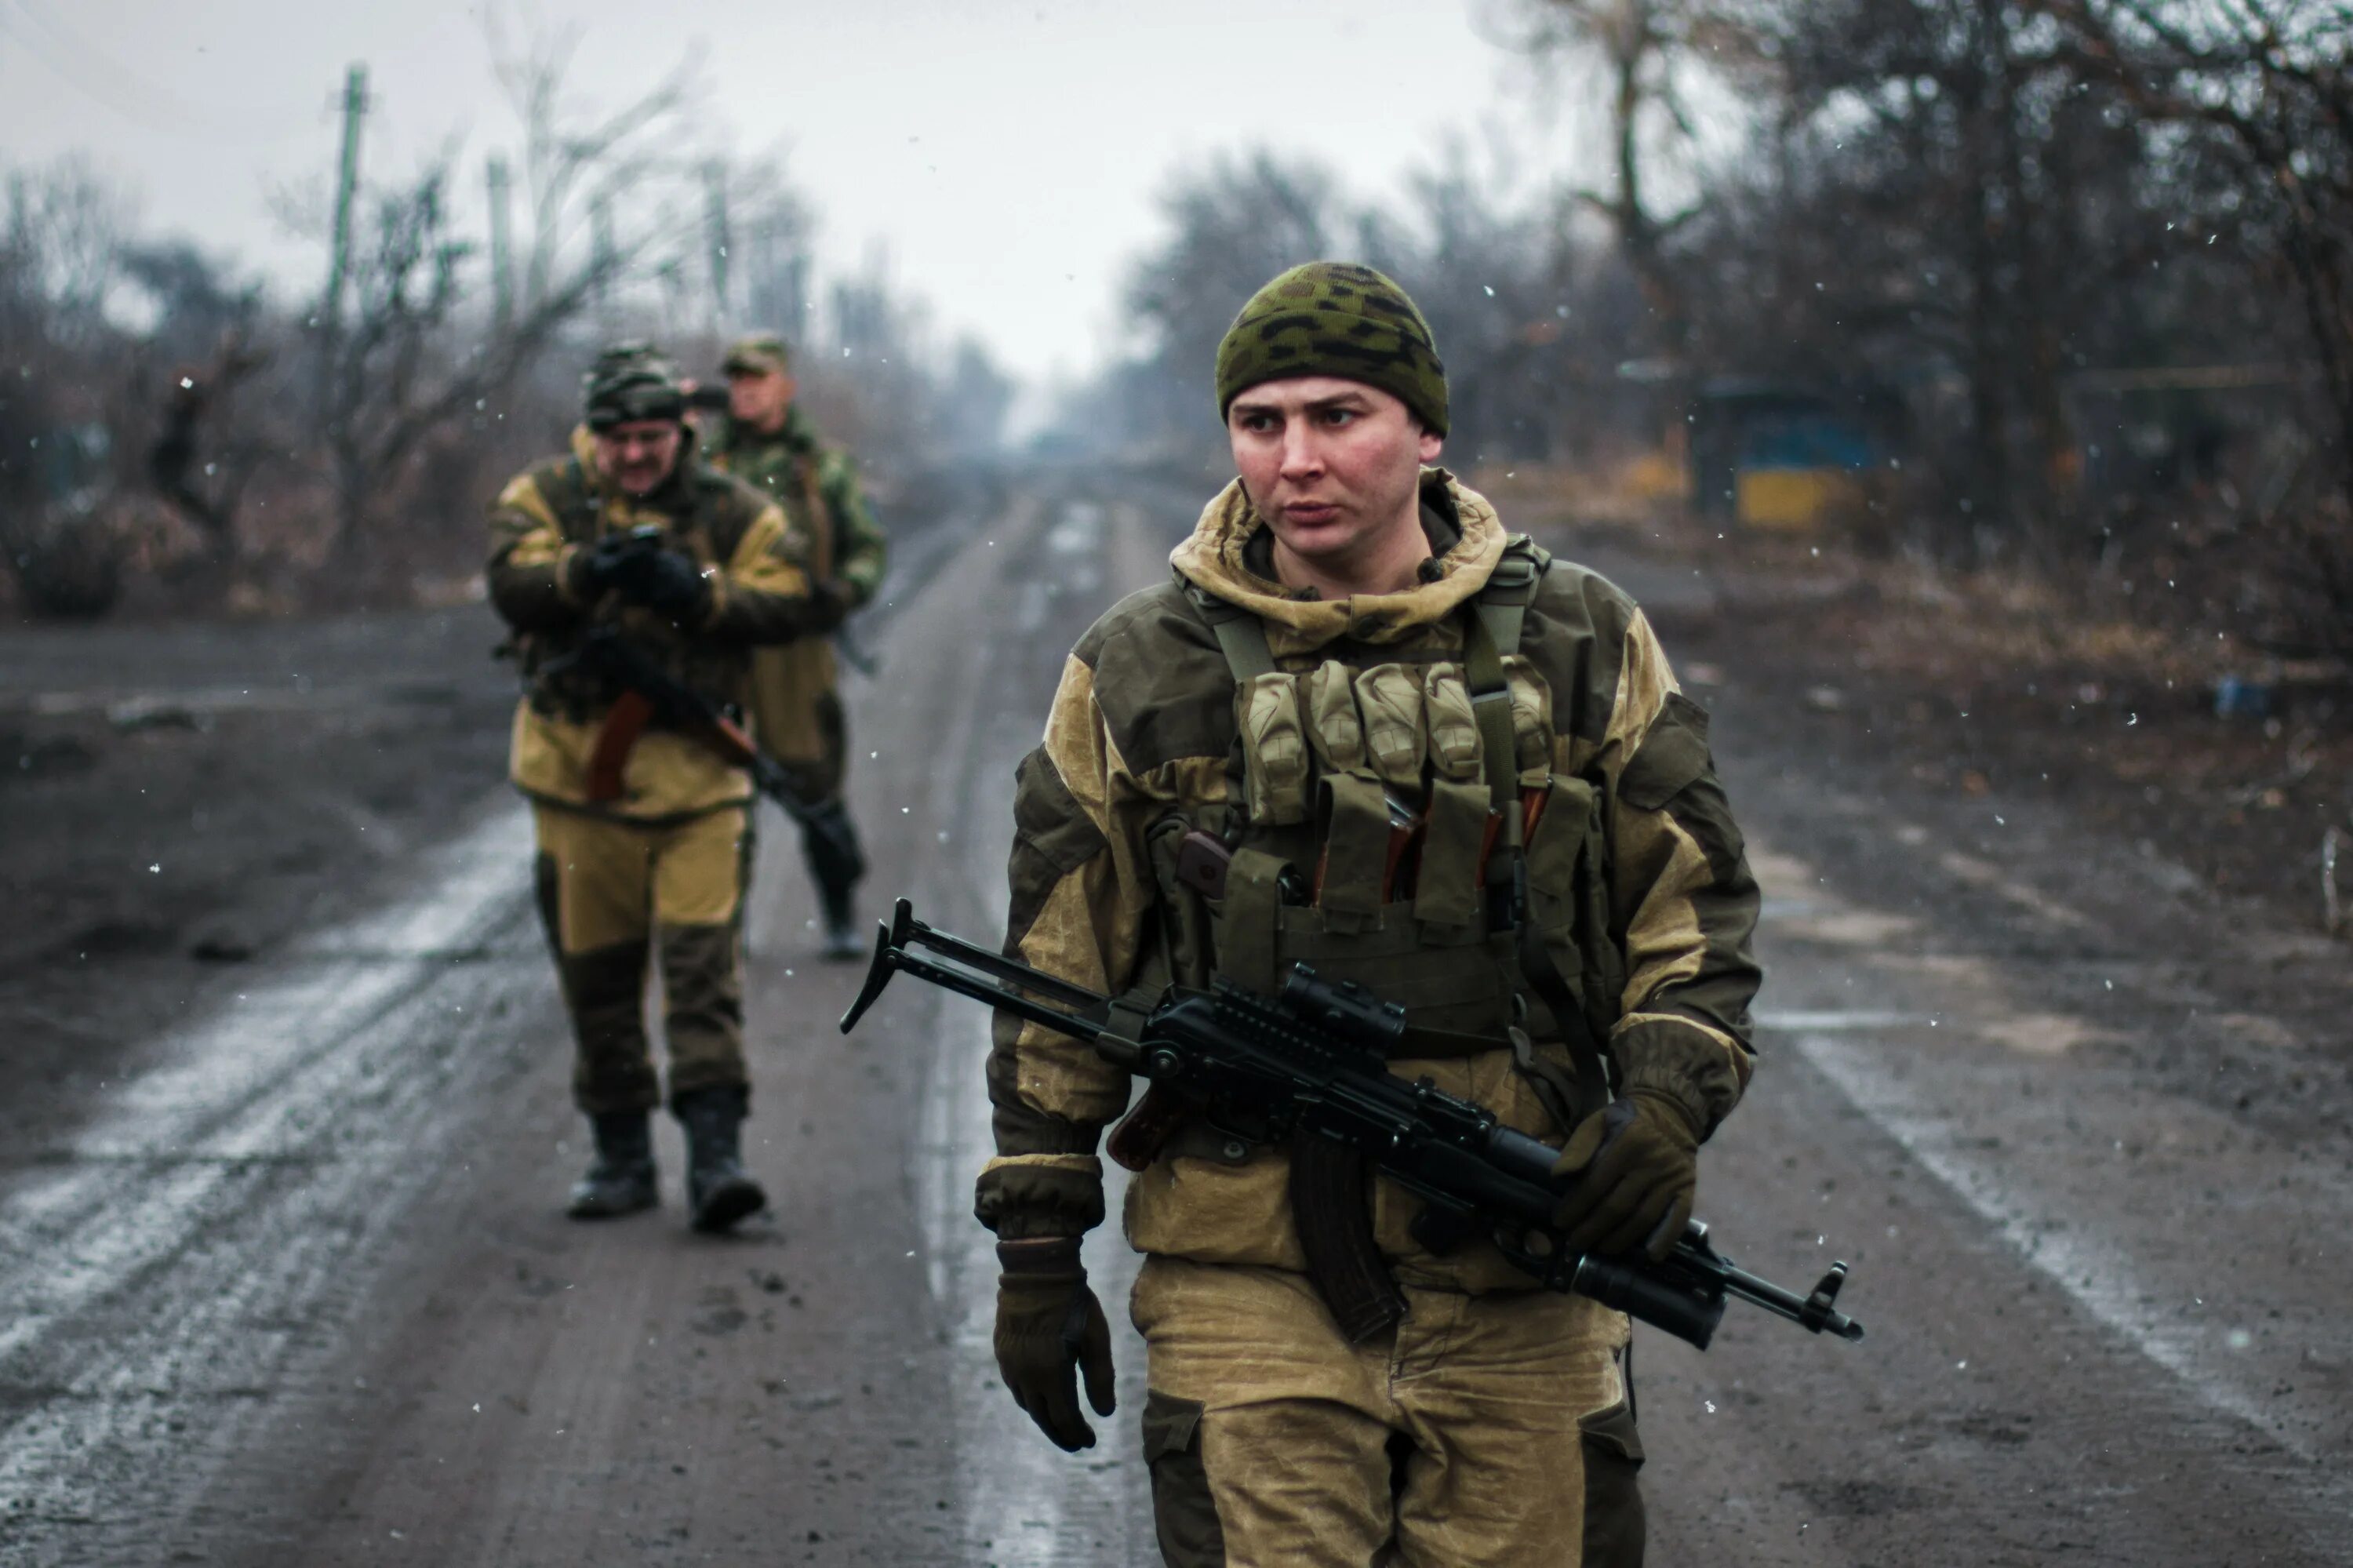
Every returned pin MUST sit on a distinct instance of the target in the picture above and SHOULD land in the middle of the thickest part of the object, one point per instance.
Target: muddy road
(283, 1276)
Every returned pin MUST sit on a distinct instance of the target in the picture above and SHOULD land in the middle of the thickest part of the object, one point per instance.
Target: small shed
(1771, 453)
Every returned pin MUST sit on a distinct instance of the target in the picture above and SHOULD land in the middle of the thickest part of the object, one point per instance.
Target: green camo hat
(1334, 318)
(631, 381)
(756, 356)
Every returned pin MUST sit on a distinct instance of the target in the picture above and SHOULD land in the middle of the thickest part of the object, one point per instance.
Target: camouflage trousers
(1486, 1429)
(614, 894)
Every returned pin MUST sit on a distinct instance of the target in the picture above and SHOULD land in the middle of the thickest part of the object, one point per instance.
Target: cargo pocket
(1333, 726)
(1615, 1526)
(1532, 731)
(1274, 748)
(1672, 755)
(1454, 729)
(1568, 898)
(1389, 698)
(1561, 843)
(1184, 1515)
(1359, 829)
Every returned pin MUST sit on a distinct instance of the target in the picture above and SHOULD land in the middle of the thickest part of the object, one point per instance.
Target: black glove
(668, 583)
(830, 604)
(601, 565)
(1049, 1321)
(1635, 1170)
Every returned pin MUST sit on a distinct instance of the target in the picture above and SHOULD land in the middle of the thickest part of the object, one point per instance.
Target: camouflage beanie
(631, 381)
(1334, 318)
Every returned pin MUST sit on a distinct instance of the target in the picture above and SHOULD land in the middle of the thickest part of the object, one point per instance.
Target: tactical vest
(1402, 824)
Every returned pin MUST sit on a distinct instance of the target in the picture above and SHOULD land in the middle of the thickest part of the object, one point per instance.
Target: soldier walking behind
(1441, 763)
(629, 553)
(796, 713)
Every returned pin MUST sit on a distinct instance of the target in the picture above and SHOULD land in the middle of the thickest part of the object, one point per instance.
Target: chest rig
(558, 683)
(1395, 818)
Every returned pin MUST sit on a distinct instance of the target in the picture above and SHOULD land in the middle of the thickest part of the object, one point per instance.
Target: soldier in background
(795, 710)
(640, 821)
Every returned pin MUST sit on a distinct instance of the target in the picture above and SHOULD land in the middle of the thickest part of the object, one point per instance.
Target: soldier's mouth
(1310, 512)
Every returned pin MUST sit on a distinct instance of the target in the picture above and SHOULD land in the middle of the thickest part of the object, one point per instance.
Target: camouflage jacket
(538, 526)
(1141, 743)
(832, 529)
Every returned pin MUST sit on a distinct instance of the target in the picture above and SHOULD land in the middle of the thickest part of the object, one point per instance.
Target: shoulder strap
(1502, 604)
(807, 465)
(1242, 635)
(571, 502)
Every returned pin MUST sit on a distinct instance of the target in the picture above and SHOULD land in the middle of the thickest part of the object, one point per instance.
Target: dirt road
(287, 1281)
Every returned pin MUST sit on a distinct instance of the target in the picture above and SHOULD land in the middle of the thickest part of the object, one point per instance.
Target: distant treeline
(176, 434)
(2090, 262)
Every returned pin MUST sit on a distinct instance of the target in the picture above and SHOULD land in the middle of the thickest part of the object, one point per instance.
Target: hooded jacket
(540, 525)
(1142, 728)
(831, 534)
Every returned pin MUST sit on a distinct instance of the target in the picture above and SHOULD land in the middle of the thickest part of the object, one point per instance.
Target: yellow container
(1795, 499)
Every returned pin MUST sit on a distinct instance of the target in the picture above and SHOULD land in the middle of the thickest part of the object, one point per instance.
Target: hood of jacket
(1215, 559)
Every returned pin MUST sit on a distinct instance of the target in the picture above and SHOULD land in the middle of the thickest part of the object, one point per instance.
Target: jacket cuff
(570, 561)
(1701, 1070)
(1031, 1196)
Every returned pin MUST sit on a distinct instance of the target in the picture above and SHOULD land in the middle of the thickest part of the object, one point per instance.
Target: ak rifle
(1311, 1065)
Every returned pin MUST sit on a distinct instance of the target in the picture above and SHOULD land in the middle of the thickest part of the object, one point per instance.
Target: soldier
(1458, 772)
(639, 820)
(796, 713)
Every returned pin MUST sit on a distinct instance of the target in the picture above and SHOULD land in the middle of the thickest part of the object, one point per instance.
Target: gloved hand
(667, 582)
(1047, 1321)
(595, 568)
(830, 603)
(1632, 1172)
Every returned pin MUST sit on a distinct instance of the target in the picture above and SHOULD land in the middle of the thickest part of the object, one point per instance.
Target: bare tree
(414, 361)
(2271, 78)
(62, 228)
(579, 161)
(1652, 57)
(400, 371)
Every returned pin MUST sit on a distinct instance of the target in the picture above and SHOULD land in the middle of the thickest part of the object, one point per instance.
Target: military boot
(835, 862)
(620, 1179)
(719, 1191)
(842, 940)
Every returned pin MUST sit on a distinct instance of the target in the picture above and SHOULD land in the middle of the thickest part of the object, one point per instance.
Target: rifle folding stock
(1311, 1067)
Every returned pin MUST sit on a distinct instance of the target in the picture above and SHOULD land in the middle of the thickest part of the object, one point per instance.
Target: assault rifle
(1309, 1066)
(650, 695)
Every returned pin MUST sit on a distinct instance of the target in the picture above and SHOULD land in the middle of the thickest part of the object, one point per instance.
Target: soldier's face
(1332, 465)
(639, 455)
(759, 397)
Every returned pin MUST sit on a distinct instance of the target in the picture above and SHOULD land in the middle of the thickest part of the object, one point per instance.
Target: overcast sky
(1008, 151)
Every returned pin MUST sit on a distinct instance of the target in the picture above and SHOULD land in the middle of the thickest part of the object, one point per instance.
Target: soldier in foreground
(796, 713)
(629, 554)
(1437, 762)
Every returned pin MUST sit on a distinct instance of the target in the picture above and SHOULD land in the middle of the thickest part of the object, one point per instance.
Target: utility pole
(347, 179)
(715, 222)
(502, 244)
(602, 256)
